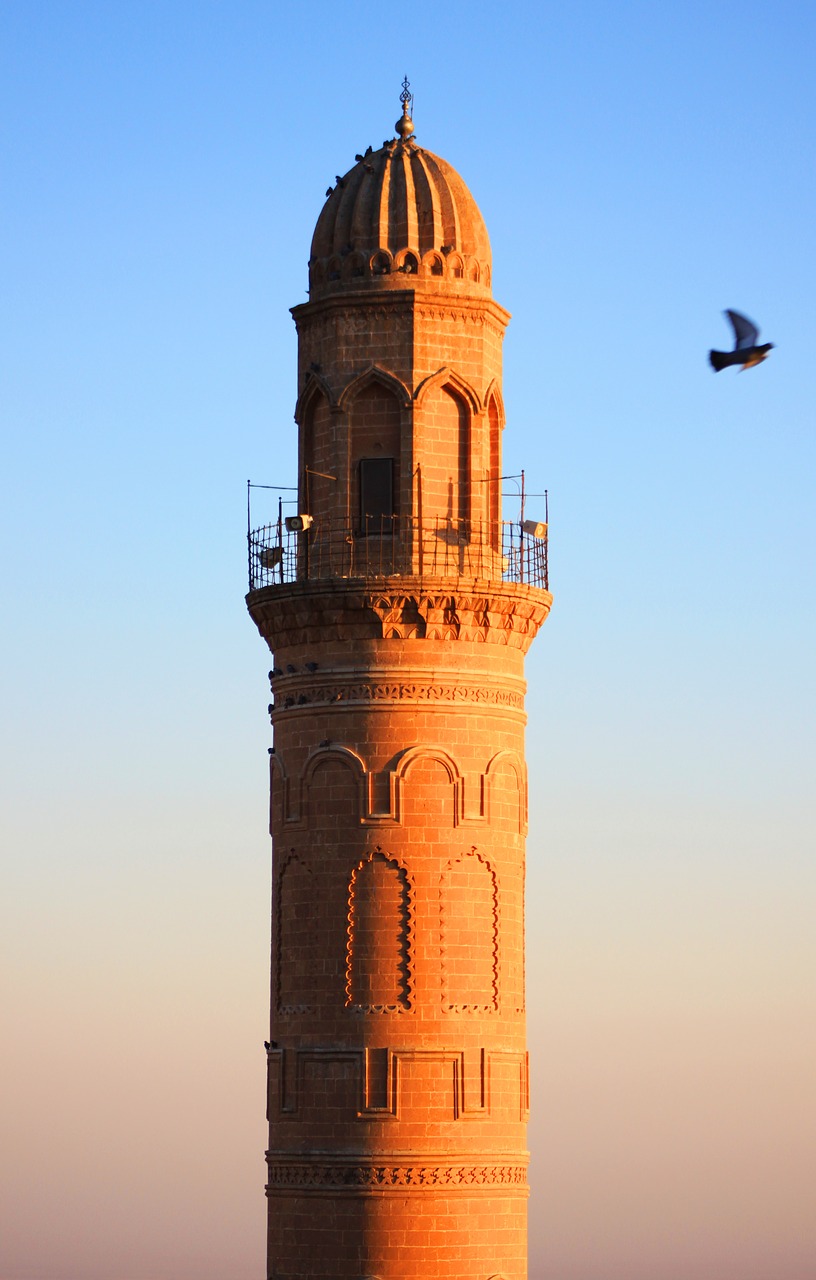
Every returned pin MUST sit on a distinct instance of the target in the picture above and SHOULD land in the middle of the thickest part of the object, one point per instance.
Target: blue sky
(640, 168)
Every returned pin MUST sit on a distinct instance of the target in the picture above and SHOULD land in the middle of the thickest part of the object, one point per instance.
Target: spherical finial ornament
(405, 125)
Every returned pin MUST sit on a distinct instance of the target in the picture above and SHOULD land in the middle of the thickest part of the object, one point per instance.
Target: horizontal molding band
(319, 1176)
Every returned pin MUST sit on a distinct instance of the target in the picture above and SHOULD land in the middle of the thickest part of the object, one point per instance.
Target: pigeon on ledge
(746, 351)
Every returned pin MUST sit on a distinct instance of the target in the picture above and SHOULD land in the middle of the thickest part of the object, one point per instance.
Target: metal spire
(405, 125)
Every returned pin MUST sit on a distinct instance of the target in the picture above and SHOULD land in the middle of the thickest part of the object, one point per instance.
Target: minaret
(398, 607)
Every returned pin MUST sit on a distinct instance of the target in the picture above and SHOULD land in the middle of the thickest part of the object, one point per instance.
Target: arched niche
(407, 261)
(375, 448)
(469, 935)
(355, 264)
(506, 792)
(433, 264)
(278, 795)
(317, 494)
(333, 785)
(428, 786)
(296, 928)
(442, 449)
(378, 961)
(494, 428)
(380, 263)
(506, 799)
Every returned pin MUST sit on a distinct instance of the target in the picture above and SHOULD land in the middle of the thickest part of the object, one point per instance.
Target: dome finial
(405, 125)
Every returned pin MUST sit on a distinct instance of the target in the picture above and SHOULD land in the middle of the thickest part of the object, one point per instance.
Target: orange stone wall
(437, 361)
(398, 1084)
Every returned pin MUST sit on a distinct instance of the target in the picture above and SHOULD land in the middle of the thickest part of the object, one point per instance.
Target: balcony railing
(391, 546)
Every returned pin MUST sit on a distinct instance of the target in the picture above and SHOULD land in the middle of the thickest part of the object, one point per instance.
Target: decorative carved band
(302, 613)
(399, 691)
(354, 1175)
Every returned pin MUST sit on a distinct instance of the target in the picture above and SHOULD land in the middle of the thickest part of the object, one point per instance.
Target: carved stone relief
(354, 1175)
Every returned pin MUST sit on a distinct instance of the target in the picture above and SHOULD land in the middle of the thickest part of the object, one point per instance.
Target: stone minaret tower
(398, 607)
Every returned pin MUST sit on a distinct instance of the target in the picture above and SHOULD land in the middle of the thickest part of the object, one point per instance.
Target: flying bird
(747, 351)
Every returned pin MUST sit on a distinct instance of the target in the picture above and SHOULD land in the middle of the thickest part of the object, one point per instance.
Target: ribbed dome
(401, 218)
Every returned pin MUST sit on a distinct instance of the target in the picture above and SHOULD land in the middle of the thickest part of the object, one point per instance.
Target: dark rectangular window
(377, 495)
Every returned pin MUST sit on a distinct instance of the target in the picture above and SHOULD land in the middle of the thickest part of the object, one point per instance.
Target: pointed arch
(433, 264)
(407, 260)
(449, 377)
(317, 274)
(380, 263)
(494, 392)
(314, 386)
(376, 403)
(492, 495)
(447, 406)
(354, 264)
(372, 375)
(313, 414)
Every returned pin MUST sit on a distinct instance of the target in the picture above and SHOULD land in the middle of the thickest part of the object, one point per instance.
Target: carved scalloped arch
(374, 373)
(447, 377)
(292, 863)
(404, 965)
(448, 978)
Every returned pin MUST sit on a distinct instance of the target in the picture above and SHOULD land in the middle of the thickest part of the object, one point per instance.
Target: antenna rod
(249, 541)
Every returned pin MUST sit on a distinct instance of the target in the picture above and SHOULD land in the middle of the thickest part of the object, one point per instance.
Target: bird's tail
(718, 360)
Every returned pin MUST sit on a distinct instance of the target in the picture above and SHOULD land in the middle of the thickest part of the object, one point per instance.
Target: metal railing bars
(390, 546)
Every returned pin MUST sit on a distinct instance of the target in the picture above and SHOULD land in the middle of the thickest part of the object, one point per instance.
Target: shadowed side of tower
(398, 610)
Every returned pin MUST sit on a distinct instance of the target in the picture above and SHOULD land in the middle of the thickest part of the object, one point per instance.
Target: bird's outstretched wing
(745, 331)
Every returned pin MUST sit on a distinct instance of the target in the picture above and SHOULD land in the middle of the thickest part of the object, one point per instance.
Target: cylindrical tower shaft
(398, 612)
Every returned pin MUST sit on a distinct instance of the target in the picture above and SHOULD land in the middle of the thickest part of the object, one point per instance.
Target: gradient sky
(640, 167)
